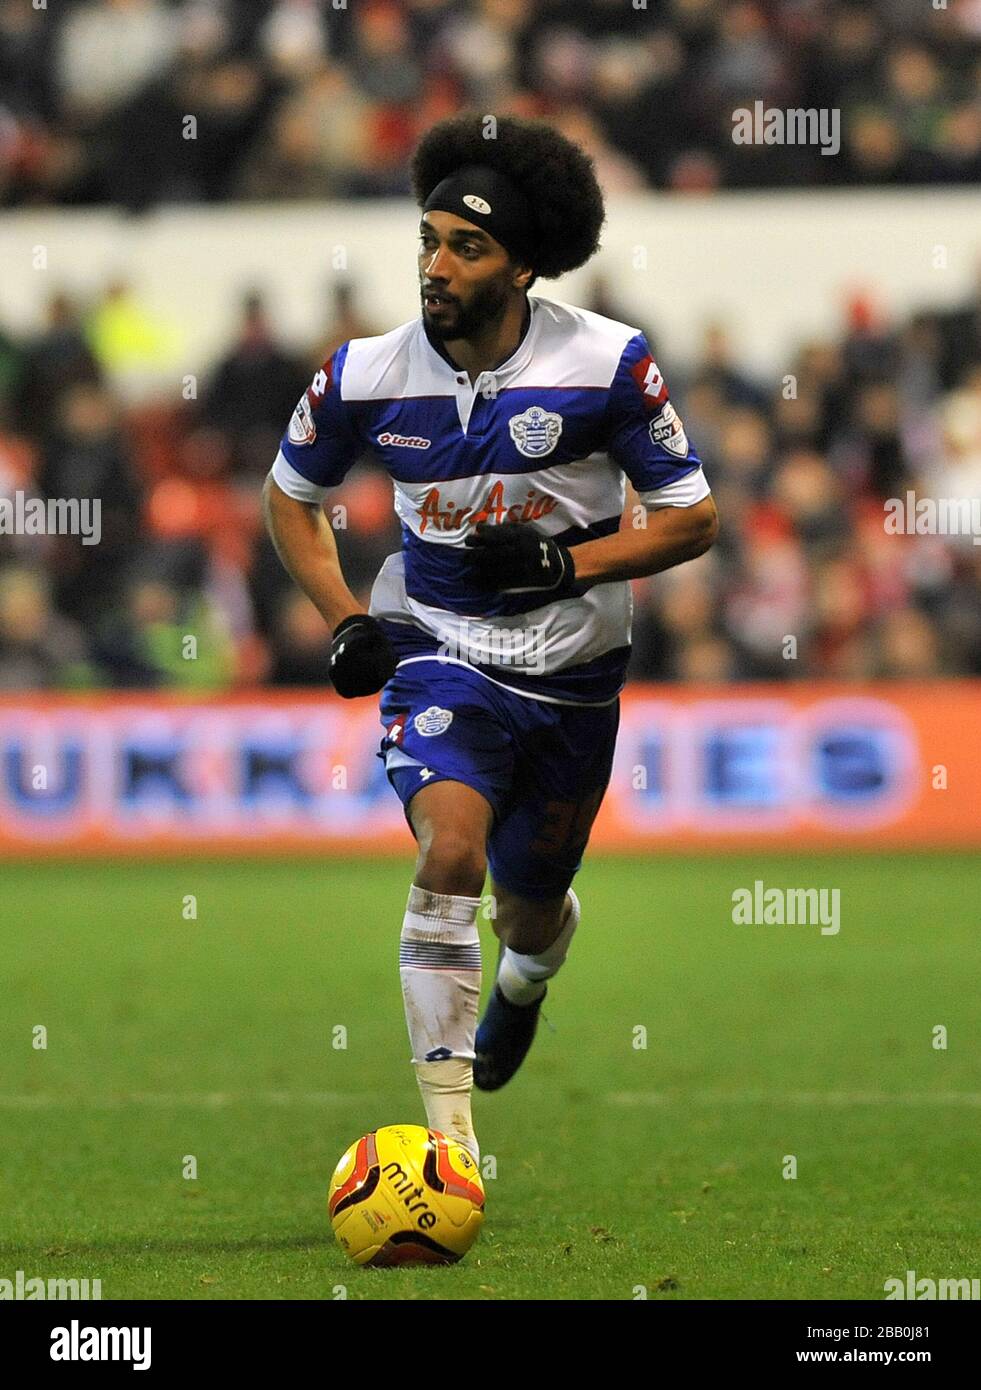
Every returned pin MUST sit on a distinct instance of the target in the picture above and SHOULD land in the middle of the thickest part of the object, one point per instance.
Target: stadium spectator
(87, 456)
(39, 648)
(314, 145)
(293, 97)
(107, 51)
(253, 390)
(345, 321)
(51, 363)
(166, 636)
(300, 642)
(802, 480)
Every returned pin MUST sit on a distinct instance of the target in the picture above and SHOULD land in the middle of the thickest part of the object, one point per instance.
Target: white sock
(439, 962)
(522, 978)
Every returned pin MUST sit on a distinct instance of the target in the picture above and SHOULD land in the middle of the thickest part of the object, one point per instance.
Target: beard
(485, 309)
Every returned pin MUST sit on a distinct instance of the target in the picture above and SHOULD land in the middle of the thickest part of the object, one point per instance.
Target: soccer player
(499, 636)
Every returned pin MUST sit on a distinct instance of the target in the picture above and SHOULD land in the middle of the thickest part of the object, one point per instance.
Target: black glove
(362, 658)
(515, 557)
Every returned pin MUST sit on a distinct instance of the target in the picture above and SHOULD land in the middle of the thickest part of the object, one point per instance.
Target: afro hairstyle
(556, 176)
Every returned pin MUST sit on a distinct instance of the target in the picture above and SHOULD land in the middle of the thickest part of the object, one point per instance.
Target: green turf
(617, 1166)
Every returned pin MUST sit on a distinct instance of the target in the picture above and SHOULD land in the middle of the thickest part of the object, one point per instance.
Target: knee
(528, 926)
(452, 863)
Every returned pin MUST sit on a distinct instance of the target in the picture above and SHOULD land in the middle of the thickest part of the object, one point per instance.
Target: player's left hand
(515, 557)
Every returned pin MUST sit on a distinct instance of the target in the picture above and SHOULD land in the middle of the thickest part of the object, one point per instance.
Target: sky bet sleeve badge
(667, 430)
(302, 429)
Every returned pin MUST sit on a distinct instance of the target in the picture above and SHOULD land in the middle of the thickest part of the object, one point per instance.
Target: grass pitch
(622, 1169)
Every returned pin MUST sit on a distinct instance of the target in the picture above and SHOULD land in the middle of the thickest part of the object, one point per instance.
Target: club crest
(536, 431)
(433, 721)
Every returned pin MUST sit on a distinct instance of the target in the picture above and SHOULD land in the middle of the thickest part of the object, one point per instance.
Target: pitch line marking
(218, 1100)
(205, 1100)
(833, 1099)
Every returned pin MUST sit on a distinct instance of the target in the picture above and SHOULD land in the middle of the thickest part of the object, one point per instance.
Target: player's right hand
(362, 659)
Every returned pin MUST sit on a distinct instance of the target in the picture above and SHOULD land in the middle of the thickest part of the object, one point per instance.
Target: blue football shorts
(544, 768)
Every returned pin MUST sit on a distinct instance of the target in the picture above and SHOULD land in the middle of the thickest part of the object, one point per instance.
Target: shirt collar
(508, 367)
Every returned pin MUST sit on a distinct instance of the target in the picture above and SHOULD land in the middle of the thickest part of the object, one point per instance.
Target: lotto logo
(405, 441)
(320, 384)
(650, 383)
(653, 381)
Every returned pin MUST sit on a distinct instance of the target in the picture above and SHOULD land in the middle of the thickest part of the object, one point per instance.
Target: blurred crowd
(141, 102)
(807, 579)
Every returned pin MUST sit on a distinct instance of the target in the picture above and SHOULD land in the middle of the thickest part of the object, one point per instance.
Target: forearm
(672, 536)
(305, 543)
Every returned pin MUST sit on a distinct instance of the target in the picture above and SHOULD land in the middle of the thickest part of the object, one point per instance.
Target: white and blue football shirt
(546, 437)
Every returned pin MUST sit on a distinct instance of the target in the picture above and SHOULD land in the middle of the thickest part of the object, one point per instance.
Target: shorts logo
(433, 721)
(302, 430)
(395, 731)
(536, 432)
(667, 430)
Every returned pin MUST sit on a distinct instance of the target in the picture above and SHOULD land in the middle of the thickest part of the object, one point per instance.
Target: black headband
(489, 200)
